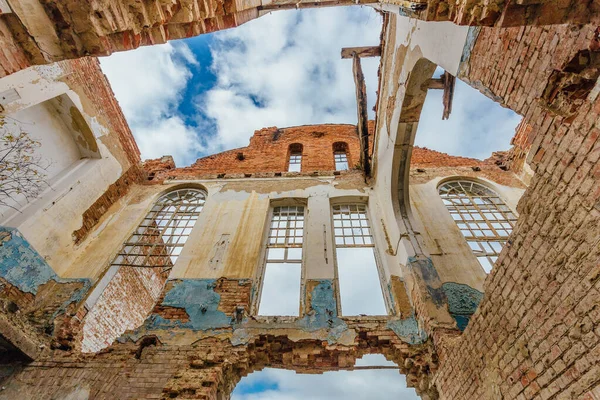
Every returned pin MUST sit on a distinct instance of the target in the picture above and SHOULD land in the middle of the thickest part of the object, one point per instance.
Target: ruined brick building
(143, 280)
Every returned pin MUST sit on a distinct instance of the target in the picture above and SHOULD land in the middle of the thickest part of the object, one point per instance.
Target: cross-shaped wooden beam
(446, 82)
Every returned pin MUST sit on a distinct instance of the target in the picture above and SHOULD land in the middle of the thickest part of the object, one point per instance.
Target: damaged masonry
(129, 279)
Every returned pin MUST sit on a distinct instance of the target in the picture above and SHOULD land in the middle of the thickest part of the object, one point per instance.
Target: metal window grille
(160, 237)
(295, 162)
(351, 226)
(286, 235)
(341, 160)
(280, 290)
(482, 217)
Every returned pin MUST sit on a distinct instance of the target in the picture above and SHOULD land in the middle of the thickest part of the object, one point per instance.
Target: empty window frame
(280, 294)
(341, 160)
(340, 156)
(358, 275)
(295, 158)
(482, 217)
(160, 237)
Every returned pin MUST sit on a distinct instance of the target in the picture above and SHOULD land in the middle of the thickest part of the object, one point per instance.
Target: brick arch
(215, 367)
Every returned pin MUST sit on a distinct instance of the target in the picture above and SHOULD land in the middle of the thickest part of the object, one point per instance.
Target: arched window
(295, 157)
(160, 237)
(482, 217)
(142, 267)
(340, 156)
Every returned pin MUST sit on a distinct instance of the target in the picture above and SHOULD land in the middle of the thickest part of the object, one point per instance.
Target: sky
(279, 384)
(199, 96)
(195, 97)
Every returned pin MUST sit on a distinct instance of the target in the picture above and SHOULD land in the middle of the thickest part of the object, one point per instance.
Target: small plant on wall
(22, 172)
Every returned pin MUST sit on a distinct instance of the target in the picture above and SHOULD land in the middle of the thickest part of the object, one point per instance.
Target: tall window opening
(340, 156)
(358, 275)
(482, 217)
(159, 239)
(283, 263)
(295, 158)
(141, 267)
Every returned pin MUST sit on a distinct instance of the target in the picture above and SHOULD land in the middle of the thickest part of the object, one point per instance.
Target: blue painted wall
(23, 267)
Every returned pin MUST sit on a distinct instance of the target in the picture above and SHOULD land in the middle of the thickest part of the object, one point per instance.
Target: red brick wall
(149, 369)
(536, 335)
(12, 56)
(117, 190)
(124, 304)
(268, 152)
(101, 29)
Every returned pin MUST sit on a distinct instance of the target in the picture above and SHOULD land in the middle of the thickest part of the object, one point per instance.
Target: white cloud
(285, 69)
(148, 82)
(476, 128)
(271, 384)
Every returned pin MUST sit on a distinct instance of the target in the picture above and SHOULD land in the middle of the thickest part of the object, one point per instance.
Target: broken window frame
(114, 266)
(341, 149)
(295, 157)
(175, 221)
(482, 216)
(378, 262)
(341, 160)
(264, 260)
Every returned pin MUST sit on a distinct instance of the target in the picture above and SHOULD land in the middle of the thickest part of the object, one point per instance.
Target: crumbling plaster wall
(48, 222)
(203, 290)
(534, 334)
(406, 42)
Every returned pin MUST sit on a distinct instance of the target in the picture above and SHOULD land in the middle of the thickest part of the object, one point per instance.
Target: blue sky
(195, 97)
(277, 384)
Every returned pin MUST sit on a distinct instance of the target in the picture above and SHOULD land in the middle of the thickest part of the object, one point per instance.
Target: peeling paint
(425, 268)
(408, 330)
(472, 34)
(200, 301)
(23, 267)
(463, 301)
(323, 312)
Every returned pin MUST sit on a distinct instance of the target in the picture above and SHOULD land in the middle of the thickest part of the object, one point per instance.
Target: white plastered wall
(49, 221)
(441, 43)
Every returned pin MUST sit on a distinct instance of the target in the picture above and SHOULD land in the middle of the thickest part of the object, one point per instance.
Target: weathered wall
(124, 304)
(535, 334)
(34, 299)
(69, 107)
(79, 95)
(268, 151)
(47, 31)
(208, 369)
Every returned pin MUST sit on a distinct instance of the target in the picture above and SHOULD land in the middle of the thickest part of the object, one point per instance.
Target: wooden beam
(434, 83)
(449, 83)
(368, 51)
(363, 116)
(295, 4)
(446, 83)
